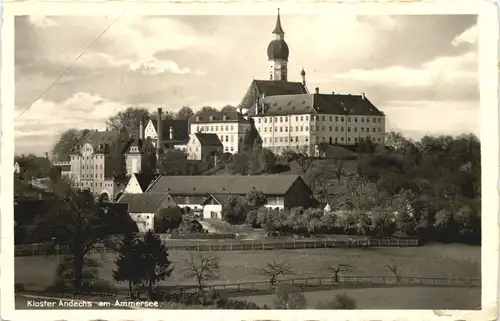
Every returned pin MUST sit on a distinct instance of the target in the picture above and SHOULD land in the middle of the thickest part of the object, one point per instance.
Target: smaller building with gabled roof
(142, 208)
(204, 146)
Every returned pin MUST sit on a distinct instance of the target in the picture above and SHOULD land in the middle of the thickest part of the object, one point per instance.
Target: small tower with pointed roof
(277, 53)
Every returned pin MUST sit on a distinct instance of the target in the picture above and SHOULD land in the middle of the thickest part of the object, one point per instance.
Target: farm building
(143, 207)
(209, 193)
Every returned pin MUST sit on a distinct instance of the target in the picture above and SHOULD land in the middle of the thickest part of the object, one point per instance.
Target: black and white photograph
(263, 160)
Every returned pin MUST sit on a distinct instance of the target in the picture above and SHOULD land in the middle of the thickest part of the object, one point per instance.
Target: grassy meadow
(452, 260)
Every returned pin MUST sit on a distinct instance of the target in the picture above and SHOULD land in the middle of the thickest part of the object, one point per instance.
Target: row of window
(89, 176)
(87, 157)
(87, 166)
(214, 128)
(322, 128)
(322, 118)
(96, 184)
(318, 139)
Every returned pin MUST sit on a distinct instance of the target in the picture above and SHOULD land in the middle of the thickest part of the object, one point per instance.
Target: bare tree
(393, 266)
(301, 157)
(339, 168)
(336, 270)
(202, 269)
(273, 269)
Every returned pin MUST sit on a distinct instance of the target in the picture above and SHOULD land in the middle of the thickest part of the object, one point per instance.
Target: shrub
(341, 302)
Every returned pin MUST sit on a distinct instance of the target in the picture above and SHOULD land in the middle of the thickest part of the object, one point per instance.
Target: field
(392, 298)
(453, 260)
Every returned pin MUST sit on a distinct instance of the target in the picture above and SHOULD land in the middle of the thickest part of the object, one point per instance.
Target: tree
(65, 143)
(75, 224)
(393, 266)
(157, 266)
(129, 263)
(289, 296)
(174, 155)
(339, 268)
(235, 210)
(207, 109)
(184, 113)
(228, 109)
(342, 302)
(274, 269)
(202, 268)
(128, 119)
(255, 199)
(301, 158)
(339, 168)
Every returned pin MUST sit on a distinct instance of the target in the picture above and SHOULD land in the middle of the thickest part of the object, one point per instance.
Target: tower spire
(278, 30)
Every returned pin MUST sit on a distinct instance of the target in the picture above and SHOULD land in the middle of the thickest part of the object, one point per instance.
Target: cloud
(442, 71)
(42, 22)
(419, 118)
(469, 36)
(40, 126)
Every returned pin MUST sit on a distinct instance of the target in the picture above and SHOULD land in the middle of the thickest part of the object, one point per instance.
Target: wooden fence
(318, 283)
(33, 250)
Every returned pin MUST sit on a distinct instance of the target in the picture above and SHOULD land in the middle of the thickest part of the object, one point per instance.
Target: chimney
(317, 90)
(333, 93)
(363, 96)
(46, 155)
(171, 133)
(159, 129)
(141, 129)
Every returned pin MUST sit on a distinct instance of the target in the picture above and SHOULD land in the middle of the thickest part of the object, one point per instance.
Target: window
(301, 118)
(265, 120)
(341, 118)
(336, 139)
(349, 119)
(341, 129)
(367, 119)
(341, 139)
(227, 138)
(211, 128)
(275, 129)
(323, 118)
(317, 117)
(330, 128)
(362, 129)
(349, 129)
(307, 128)
(275, 139)
(286, 129)
(281, 119)
(355, 139)
(275, 119)
(286, 139)
(355, 129)
(296, 118)
(374, 130)
(258, 120)
(307, 139)
(286, 119)
(348, 139)
(281, 139)
(265, 129)
(227, 127)
(302, 128)
(362, 120)
(296, 128)
(331, 118)
(336, 128)
(380, 120)
(367, 129)
(281, 129)
(307, 118)
(232, 148)
(297, 139)
(226, 149)
(291, 139)
(336, 118)
(374, 120)
(232, 127)
(291, 129)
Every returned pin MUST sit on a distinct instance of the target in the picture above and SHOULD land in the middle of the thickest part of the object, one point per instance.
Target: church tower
(277, 53)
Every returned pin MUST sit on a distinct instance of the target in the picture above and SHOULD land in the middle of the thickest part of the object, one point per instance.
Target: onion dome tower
(277, 53)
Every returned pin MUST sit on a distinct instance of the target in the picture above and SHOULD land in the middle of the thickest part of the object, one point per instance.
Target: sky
(422, 71)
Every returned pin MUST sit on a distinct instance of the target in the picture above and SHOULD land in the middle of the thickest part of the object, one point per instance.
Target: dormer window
(197, 118)
(224, 117)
